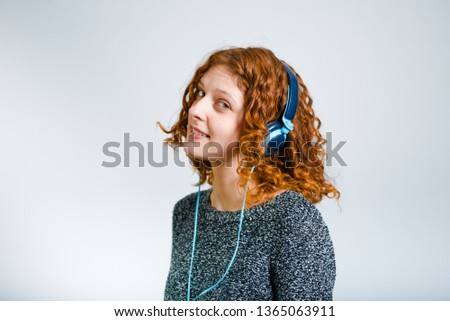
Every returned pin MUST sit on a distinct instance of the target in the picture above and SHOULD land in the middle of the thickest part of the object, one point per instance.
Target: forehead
(220, 74)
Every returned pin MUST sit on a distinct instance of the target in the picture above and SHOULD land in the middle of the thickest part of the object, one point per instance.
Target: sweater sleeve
(303, 264)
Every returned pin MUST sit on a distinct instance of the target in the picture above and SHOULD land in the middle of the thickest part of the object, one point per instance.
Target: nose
(198, 109)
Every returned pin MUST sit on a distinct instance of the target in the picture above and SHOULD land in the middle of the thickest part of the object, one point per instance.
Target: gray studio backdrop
(75, 75)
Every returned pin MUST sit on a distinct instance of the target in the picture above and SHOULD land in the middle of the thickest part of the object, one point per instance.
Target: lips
(197, 132)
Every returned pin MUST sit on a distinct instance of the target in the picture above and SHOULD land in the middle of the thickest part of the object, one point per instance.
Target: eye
(201, 93)
(223, 105)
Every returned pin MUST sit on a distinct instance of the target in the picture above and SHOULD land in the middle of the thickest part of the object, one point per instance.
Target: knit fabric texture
(285, 251)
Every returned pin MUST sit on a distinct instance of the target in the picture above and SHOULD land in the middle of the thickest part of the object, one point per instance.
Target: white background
(75, 75)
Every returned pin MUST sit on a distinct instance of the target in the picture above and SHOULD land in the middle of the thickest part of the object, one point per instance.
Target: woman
(249, 130)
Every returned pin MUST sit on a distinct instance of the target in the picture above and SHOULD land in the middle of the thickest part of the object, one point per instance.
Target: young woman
(249, 129)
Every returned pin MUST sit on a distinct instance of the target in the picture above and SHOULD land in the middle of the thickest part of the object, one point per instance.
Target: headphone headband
(292, 99)
(277, 130)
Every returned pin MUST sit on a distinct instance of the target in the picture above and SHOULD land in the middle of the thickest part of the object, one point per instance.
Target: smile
(197, 134)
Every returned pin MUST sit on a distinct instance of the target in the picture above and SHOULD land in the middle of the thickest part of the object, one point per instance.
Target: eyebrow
(223, 92)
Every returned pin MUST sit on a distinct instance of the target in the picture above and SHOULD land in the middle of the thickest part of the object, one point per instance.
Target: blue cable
(195, 238)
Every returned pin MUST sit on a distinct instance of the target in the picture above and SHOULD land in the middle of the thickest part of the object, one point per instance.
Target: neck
(226, 194)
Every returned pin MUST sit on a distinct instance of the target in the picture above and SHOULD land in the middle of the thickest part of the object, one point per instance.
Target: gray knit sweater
(285, 251)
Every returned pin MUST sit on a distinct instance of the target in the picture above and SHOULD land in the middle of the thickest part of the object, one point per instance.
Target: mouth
(196, 133)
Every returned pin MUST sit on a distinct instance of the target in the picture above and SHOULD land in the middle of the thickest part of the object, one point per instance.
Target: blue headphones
(277, 130)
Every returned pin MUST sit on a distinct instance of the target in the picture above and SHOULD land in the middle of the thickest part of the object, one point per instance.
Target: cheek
(225, 126)
(225, 131)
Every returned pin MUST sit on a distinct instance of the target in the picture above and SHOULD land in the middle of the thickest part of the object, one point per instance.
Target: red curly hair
(263, 82)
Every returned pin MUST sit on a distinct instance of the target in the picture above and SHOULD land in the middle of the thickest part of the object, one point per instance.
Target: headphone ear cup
(274, 138)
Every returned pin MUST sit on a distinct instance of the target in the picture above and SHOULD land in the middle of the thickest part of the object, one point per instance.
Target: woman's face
(215, 117)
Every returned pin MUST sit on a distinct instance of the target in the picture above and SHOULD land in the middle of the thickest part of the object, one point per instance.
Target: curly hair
(263, 82)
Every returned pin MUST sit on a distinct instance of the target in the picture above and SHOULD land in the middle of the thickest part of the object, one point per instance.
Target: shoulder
(293, 205)
(187, 203)
(295, 212)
